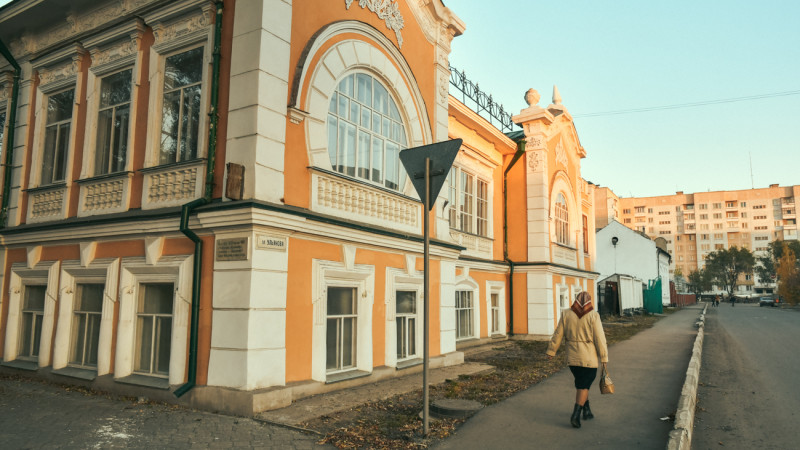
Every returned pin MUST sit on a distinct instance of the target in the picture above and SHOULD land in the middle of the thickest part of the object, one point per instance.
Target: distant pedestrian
(716, 300)
(582, 331)
(733, 301)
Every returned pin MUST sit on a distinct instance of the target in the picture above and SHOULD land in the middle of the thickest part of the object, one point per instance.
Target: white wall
(634, 254)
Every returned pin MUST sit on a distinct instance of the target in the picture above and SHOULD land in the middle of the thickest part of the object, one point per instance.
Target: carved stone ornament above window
(387, 10)
(62, 72)
(561, 155)
(119, 50)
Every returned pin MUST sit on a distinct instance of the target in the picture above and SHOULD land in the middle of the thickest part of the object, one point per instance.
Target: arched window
(562, 220)
(366, 132)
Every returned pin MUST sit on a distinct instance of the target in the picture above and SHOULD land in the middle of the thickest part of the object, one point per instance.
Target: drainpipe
(187, 209)
(517, 156)
(12, 125)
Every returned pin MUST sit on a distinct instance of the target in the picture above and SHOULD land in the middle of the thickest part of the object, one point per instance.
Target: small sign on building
(264, 242)
(233, 249)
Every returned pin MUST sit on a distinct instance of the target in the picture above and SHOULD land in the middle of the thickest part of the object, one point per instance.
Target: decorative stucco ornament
(387, 10)
(561, 155)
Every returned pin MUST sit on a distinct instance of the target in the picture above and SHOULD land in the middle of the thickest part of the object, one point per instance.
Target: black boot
(575, 420)
(587, 413)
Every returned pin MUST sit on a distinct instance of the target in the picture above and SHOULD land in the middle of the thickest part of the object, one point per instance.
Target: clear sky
(612, 55)
(620, 55)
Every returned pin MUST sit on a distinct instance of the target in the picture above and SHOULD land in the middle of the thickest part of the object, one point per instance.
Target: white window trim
(43, 273)
(466, 283)
(64, 67)
(330, 273)
(402, 280)
(562, 185)
(561, 289)
(479, 172)
(104, 271)
(134, 272)
(499, 288)
(179, 27)
(336, 62)
(122, 42)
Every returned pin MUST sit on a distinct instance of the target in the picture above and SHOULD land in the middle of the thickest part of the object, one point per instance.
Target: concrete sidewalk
(648, 372)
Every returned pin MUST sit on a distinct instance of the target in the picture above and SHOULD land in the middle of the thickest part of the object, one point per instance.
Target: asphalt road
(748, 396)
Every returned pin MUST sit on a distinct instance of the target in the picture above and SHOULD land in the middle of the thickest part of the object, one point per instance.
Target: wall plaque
(264, 242)
(234, 249)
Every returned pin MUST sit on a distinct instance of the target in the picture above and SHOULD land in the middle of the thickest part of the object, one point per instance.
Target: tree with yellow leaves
(788, 276)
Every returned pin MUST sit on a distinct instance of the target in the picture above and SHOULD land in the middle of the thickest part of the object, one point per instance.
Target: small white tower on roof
(556, 108)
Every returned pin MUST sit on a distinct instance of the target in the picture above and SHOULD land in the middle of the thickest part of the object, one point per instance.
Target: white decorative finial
(556, 95)
(532, 97)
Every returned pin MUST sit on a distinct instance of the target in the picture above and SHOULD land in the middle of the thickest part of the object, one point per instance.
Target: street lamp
(614, 241)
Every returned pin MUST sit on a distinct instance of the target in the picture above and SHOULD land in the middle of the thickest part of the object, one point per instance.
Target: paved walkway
(35, 414)
(648, 372)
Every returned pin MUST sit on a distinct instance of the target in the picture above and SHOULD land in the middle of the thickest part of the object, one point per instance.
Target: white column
(447, 307)
(258, 92)
(541, 314)
(248, 340)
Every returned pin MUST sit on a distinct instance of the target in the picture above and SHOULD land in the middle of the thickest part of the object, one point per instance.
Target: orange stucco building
(205, 199)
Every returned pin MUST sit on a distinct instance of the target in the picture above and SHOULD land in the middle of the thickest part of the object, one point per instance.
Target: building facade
(694, 225)
(205, 200)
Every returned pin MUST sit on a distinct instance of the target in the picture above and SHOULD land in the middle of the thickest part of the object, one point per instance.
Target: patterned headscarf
(582, 304)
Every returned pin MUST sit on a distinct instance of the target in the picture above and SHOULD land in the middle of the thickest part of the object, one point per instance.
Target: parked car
(769, 300)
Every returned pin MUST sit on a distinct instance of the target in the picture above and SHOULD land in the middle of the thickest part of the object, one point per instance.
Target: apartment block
(695, 224)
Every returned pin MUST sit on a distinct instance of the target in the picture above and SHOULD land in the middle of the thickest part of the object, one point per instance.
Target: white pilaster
(447, 307)
(259, 88)
(248, 340)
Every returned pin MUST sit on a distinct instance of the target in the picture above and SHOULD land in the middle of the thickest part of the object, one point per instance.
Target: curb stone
(680, 438)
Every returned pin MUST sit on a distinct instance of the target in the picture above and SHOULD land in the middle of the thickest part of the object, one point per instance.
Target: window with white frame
(494, 299)
(341, 332)
(563, 297)
(56, 137)
(406, 322)
(182, 106)
(154, 329)
(561, 217)
(32, 316)
(483, 208)
(113, 122)
(86, 316)
(366, 132)
(468, 199)
(465, 327)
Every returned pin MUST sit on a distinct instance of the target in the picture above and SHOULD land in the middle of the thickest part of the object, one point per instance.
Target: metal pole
(426, 270)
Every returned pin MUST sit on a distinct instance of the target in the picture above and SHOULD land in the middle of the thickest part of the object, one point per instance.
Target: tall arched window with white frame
(366, 132)
(562, 220)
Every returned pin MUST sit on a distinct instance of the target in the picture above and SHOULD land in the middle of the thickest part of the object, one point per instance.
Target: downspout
(12, 125)
(517, 156)
(187, 209)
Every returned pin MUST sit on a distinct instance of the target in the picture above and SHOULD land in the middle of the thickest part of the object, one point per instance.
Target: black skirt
(584, 376)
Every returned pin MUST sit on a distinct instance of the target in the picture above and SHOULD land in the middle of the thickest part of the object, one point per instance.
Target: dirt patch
(395, 422)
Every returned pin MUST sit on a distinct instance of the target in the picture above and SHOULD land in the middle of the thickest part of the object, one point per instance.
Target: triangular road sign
(441, 154)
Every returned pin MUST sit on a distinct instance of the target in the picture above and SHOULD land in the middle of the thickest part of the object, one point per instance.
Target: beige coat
(584, 339)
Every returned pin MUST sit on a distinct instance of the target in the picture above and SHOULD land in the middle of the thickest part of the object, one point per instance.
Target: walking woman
(585, 343)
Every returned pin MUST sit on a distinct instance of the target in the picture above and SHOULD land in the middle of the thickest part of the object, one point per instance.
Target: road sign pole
(426, 288)
(428, 166)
